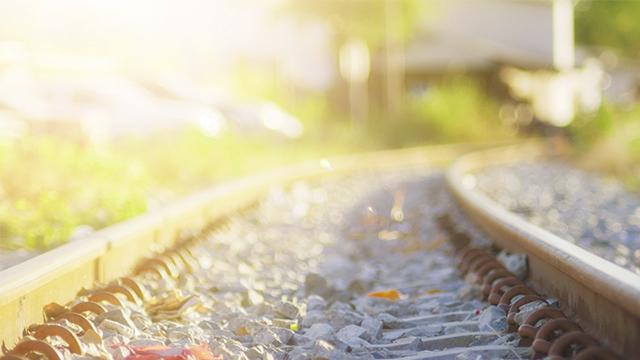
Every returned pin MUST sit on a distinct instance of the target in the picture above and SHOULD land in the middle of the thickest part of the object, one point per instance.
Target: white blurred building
(530, 43)
(478, 34)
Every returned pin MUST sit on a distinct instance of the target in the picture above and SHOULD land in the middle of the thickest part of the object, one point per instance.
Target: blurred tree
(365, 20)
(381, 24)
(609, 23)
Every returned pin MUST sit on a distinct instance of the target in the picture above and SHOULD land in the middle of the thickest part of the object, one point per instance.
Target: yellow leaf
(391, 294)
(242, 331)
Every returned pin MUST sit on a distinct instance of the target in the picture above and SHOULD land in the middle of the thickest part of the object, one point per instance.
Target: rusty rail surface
(111, 254)
(602, 296)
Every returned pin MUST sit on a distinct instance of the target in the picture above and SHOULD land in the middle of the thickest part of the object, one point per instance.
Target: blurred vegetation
(51, 187)
(363, 19)
(610, 24)
(452, 109)
(458, 108)
(67, 185)
(609, 141)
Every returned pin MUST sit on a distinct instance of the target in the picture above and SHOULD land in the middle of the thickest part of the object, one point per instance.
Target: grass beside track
(52, 189)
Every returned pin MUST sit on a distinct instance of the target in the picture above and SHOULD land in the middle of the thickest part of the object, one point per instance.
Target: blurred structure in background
(355, 65)
(75, 64)
(527, 46)
(486, 34)
(531, 40)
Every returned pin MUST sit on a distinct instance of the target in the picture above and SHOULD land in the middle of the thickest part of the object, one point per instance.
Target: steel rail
(604, 297)
(59, 274)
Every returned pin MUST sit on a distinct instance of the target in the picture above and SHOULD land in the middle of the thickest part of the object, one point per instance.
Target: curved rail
(58, 275)
(604, 296)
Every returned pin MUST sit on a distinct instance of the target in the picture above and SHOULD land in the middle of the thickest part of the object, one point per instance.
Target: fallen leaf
(163, 352)
(392, 294)
(242, 331)
(202, 352)
(387, 235)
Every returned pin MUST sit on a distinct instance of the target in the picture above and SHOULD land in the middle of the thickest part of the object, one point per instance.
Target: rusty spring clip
(70, 322)
(547, 330)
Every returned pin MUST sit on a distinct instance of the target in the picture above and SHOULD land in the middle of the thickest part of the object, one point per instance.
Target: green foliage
(609, 23)
(457, 108)
(586, 130)
(609, 141)
(362, 19)
(50, 186)
(453, 109)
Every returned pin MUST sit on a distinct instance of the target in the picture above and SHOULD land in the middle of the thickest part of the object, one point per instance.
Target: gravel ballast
(353, 268)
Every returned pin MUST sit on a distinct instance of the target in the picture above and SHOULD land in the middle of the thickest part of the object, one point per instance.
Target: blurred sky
(202, 39)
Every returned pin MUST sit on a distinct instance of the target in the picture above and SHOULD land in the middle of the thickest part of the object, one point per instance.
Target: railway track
(602, 295)
(369, 257)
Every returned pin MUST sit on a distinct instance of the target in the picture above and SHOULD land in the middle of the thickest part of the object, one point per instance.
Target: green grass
(609, 142)
(50, 186)
(458, 109)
